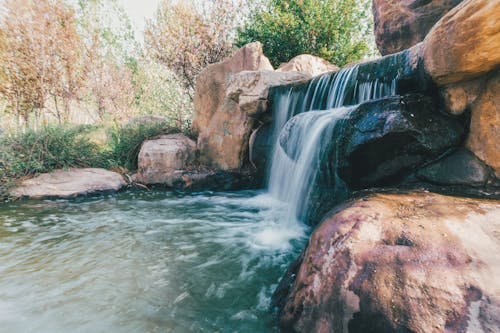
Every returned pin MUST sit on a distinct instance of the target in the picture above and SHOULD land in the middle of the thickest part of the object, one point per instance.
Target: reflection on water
(143, 262)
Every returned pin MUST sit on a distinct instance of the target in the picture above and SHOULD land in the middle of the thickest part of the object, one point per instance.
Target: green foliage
(126, 140)
(336, 30)
(53, 147)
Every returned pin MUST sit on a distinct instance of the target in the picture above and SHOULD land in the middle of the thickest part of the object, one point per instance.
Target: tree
(336, 30)
(110, 48)
(187, 36)
(39, 55)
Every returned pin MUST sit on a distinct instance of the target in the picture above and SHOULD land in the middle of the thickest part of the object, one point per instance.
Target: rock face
(464, 44)
(415, 263)
(387, 138)
(307, 64)
(70, 183)
(162, 160)
(223, 141)
(459, 168)
(403, 23)
(484, 135)
(211, 83)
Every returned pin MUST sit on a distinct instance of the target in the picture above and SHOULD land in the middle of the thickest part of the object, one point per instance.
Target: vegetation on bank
(73, 76)
(28, 153)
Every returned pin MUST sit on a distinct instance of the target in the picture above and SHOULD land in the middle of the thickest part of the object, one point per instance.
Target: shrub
(50, 148)
(125, 141)
(336, 30)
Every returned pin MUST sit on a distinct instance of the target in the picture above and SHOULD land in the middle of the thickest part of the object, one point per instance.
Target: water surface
(144, 262)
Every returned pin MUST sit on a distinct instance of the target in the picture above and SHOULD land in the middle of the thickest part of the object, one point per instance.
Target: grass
(31, 152)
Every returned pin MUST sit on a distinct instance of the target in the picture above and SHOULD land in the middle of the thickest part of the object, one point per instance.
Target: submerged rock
(402, 24)
(160, 160)
(70, 183)
(386, 263)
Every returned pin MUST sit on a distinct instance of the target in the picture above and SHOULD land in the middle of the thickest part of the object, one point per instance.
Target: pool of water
(144, 262)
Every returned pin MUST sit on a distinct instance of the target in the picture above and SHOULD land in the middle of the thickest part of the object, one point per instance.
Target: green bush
(336, 30)
(53, 147)
(125, 141)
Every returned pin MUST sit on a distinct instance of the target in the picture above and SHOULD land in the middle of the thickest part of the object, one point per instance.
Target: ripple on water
(144, 261)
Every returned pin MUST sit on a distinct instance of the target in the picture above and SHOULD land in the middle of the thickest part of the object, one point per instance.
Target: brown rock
(401, 24)
(308, 64)
(464, 44)
(223, 142)
(484, 135)
(250, 88)
(421, 263)
(458, 97)
(70, 183)
(211, 83)
(160, 160)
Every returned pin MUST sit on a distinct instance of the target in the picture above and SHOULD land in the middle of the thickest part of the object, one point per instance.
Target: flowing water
(143, 262)
(310, 119)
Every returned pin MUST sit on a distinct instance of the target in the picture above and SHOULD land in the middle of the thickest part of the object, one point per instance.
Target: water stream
(143, 262)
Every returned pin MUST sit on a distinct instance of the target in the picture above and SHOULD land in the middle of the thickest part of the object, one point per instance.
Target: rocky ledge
(418, 262)
(70, 183)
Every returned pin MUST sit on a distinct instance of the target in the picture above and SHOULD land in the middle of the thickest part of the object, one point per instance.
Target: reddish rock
(401, 24)
(308, 64)
(421, 263)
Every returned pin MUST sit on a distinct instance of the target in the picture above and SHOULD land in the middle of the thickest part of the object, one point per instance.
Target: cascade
(305, 121)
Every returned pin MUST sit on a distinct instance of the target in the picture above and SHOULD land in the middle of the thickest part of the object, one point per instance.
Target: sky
(139, 11)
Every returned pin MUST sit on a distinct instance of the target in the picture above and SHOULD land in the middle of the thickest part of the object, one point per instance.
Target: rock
(250, 89)
(161, 160)
(147, 119)
(484, 135)
(261, 146)
(416, 263)
(458, 168)
(70, 183)
(213, 180)
(464, 44)
(459, 97)
(402, 24)
(308, 64)
(223, 142)
(211, 83)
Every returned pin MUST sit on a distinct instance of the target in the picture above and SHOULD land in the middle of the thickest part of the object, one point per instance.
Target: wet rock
(402, 24)
(464, 44)
(308, 64)
(70, 183)
(161, 159)
(484, 135)
(458, 168)
(386, 263)
(261, 146)
(386, 139)
(213, 180)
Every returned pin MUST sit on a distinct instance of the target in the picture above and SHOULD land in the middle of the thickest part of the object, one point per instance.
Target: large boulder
(386, 263)
(223, 142)
(464, 44)
(161, 160)
(70, 183)
(401, 24)
(484, 135)
(308, 64)
(211, 83)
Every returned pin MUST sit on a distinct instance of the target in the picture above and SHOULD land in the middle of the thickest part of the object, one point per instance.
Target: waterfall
(302, 133)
